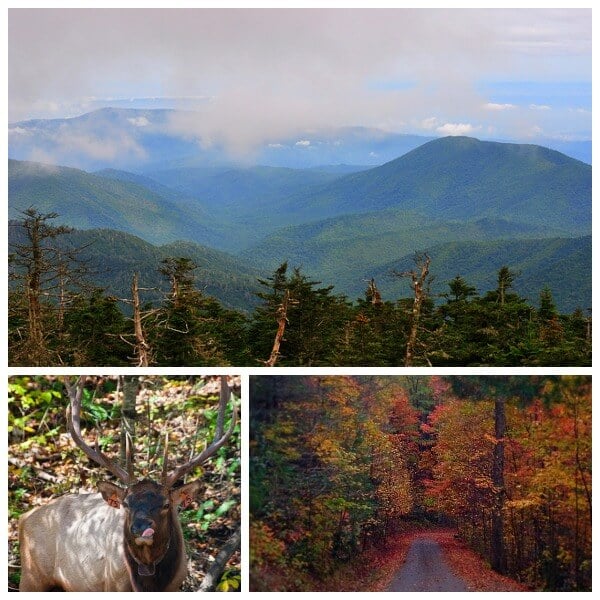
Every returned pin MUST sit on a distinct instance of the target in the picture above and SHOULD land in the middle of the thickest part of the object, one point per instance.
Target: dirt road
(425, 570)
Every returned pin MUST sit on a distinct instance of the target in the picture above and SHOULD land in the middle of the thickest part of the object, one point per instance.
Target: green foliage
(90, 201)
(230, 581)
(466, 179)
(315, 317)
(33, 408)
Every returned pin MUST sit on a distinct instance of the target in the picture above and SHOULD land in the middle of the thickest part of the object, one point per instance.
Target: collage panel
(124, 483)
(358, 198)
(420, 483)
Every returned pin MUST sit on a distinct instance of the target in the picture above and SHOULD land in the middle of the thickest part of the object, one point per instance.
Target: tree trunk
(130, 385)
(141, 346)
(35, 329)
(211, 579)
(282, 322)
(420, 293)
(498, 558)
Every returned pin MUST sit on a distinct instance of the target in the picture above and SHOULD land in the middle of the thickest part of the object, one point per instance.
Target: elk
(120, 539)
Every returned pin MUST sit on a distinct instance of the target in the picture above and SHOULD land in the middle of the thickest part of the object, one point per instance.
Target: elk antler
(74, 424)
(218, 441)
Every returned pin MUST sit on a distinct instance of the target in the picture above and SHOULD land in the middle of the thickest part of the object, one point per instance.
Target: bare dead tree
(282, 320)
(47, 274)
(373, 293)
(419, 283)
(142, 351)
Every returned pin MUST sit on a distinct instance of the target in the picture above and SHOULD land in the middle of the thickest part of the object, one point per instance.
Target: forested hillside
(58, 315)
(465, 178)
(85, 200)
(473, 206)
(112, 257)
(341, 466)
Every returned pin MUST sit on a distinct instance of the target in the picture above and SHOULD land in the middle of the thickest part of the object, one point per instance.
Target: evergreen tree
(375, 335)
(94, 326)
(315, 319)
(181, 335)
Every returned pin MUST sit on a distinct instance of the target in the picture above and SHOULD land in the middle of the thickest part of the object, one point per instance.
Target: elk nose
(142, 527)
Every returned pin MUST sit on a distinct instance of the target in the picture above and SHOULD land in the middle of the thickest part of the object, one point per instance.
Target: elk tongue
(148, 532)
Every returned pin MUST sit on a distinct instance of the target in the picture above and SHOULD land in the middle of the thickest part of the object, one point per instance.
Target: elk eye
(166, 505)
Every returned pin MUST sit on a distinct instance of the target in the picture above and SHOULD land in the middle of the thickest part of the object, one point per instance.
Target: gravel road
(426, 571)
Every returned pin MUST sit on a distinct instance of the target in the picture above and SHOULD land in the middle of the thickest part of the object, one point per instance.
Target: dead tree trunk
(142, 349)
(282, 320)
(419, 283)
(498, 556)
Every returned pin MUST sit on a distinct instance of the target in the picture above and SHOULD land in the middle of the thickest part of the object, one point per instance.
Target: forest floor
(465, 566)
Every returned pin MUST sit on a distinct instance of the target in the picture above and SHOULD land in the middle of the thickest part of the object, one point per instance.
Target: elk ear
(186, 494)
(112, 494)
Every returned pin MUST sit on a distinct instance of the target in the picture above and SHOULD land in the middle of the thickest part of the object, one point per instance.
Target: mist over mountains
(153, 138)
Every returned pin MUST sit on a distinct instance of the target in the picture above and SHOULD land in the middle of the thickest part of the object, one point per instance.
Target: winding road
(425, 570)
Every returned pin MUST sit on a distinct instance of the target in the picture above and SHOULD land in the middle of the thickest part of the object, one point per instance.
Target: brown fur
(85, 542)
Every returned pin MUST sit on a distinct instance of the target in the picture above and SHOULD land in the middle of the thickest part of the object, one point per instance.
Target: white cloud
(263, 88)
(429, 123)
(535, 131)
(302, 143)
(276, 146)
(457, 129)
(494, 106)
(20, 131)
(539, 107)
(139, 121)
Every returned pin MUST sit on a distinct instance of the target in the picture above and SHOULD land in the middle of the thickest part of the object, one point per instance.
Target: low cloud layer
(261, 75)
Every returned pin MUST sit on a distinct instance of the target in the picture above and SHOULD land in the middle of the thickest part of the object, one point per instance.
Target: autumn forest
(342, 469)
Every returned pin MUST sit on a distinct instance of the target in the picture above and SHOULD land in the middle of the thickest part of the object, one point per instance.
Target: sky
(252, 76)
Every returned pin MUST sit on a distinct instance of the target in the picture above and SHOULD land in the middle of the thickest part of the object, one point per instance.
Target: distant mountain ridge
(136, 139)
(140, 139)
(561, 264)
(112, 257)
(465, 178)
(564, 265)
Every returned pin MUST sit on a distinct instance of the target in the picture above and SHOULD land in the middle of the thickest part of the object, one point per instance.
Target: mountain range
(525, 206)
(143, 139)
